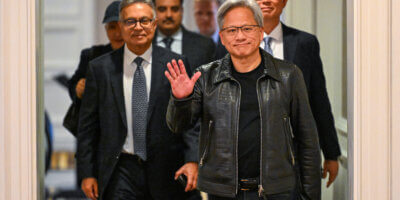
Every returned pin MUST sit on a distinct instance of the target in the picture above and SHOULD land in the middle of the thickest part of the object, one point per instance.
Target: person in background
(172, 35)
(205, 14)
(258, 136)
(125, 149)
(302, 49)
(110, 21)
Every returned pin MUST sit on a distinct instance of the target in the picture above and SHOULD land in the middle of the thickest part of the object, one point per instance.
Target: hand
(190, 170)
(90, 188)
(80, 87)
(181, 85)
(331, 166)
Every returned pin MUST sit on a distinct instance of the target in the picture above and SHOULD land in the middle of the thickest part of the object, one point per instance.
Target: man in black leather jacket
(258, 136)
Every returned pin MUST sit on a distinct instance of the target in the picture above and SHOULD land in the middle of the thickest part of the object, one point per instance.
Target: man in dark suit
(125, 149)
(76, 84)
(302, 49)
(172, 35)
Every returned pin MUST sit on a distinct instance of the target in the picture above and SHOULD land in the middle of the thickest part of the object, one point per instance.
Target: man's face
(204, 14)
(244, 42)
(169, 15)
(137, 35)
(114, 35)
(271, 9)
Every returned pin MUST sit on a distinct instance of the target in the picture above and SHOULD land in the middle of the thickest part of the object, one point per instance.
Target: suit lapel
(289, 44)
(157, 78)
(188, 49)
(117, 82)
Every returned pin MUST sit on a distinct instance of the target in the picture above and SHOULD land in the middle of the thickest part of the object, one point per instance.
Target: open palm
(181, 85)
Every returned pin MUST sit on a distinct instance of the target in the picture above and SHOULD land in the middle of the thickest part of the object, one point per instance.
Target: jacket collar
(270, 69)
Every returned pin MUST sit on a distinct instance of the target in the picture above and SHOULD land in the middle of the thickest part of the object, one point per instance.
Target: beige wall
(373, 99)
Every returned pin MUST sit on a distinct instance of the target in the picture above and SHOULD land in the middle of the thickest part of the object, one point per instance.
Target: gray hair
(125, 3)
(230, 4)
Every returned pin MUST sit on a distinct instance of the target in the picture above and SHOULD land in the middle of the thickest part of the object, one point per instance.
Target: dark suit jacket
(86, 56)
(302, 49)
(103, 128)
(198, 49)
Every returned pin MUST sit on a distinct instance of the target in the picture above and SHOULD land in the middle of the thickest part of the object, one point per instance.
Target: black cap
(112, 12)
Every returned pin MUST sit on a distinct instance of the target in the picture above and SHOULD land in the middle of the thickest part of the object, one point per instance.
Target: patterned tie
(168, 41)
(267, 45)
(139, 110)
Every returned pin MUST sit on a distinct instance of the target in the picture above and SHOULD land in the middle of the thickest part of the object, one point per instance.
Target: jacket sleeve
(79, 73)
(88, 129)
(183, 114)
(320, 104)
(306, 137)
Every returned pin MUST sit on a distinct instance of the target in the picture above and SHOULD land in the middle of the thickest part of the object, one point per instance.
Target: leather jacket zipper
(289, 133)
(260, 187)
(207, 144)
(237, 136)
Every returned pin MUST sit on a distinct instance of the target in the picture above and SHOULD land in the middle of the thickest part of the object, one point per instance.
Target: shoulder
(96, 51)
(201, 39)
(301, 36)
(163, 54)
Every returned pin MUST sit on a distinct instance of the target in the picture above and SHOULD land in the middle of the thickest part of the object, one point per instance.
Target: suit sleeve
(321, 106)
(191, 136)
(80, 72)
(88, 129)
(306, 136)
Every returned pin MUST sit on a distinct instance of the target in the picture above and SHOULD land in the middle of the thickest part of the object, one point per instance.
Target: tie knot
(138, 60)
(168, 41)
(267, 40)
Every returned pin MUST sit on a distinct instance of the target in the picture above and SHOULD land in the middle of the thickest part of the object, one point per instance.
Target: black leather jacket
(290, 151)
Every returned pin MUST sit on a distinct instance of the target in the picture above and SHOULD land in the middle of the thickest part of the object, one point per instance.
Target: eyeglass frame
(238, 28)
(134, 24)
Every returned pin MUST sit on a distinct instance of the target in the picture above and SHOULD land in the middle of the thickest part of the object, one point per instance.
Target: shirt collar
(276, 34)
(177, 36)
(131, 56)
(215, 36)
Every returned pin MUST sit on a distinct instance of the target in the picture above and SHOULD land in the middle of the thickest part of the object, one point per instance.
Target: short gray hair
(230, 4)
(125, 3)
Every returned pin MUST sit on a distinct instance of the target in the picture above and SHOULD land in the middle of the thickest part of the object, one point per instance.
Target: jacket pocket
(207, 144)
(289, 139)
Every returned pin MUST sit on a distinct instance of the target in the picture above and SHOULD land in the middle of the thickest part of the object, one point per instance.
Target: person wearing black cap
(76, 84)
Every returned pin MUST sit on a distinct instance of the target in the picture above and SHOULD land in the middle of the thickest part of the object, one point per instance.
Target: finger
(195, 181)
(332, 177)
(168, 76)
(96, 190)
(171, 70)
(89, 193)
(196, 76)
(182, 67)
(178, 173)
(189, 185)
(175, 65)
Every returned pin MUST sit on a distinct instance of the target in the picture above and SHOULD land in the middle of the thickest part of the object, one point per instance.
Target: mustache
(168, 19)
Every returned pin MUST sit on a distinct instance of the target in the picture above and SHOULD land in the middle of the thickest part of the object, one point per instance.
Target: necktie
(267, 45)
(139, 110)
(168, 41)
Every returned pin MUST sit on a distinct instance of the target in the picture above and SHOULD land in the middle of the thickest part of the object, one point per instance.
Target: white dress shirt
(276, 43)
(128, 75)
(176, 45)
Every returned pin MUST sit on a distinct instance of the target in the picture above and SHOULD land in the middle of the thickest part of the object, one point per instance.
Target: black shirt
(249, 123)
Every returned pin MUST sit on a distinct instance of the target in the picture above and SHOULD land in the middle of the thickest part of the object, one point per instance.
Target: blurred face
(240, 33)
(114, 35)
(169, 15)
(205, 16)
(271, 9)
(137, 27)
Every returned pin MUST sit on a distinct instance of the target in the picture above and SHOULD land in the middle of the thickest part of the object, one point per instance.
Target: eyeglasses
(232, 31)
(131, 23)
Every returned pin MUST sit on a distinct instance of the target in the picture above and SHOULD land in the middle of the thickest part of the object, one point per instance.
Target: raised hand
(181, 85)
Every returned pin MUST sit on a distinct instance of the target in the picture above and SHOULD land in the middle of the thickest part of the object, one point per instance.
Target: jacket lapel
(116, 82)
(289, 44)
